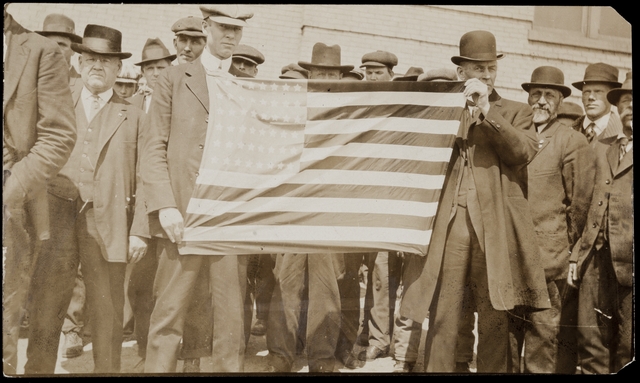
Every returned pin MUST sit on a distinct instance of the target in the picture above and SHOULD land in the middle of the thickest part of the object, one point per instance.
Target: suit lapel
(17, 60)
(197, 83)
(110, 118)
(547, 134)
(613, 154)
(627, 162)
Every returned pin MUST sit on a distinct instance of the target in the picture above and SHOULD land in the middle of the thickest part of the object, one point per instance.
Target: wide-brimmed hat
(613, 96)
(548, 77)
(324, 56)
(379, 59)
(294, 71)
(59, 25)
(477, 46)
(248, 53)
(101, 40)
(155, 50)
(189, 26)
(411, 75)
(599, 73)
(226, 14)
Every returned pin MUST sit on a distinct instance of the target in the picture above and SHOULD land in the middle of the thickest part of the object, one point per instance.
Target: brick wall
(425, 36)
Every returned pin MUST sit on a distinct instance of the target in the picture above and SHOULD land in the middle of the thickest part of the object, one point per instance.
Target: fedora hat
(600, 73)
(294, 71)
(477, 46)
(155, 50)
(188, 26)
(248, 53)
(324, 56)
(411, 75)
(101, 40)
(226, 14)
(548, 77)
(59, 25)
(613, 96)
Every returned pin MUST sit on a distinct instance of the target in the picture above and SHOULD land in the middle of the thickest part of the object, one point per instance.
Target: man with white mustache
(560, 185)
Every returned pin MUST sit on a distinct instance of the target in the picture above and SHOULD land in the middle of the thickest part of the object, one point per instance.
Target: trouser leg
(197, 337)
(406, 339)
(140, 294)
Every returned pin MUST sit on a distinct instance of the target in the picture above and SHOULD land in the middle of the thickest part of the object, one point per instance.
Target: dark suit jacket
(613, 199)
(614, 127)
(503, 142)
(137, 100)
(561, 177)
(39, 120)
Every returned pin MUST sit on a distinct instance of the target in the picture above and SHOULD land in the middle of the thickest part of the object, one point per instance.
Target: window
(590, 27)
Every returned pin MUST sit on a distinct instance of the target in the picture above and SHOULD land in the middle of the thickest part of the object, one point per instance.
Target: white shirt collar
(104, 96)
(601, 123)
(213, 64)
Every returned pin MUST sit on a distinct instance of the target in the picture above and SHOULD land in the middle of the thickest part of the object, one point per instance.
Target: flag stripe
(379, 164)
(403, 152)
(395, 124)
(310, 176)
(347, 99)
(374, 136)
(377, 111)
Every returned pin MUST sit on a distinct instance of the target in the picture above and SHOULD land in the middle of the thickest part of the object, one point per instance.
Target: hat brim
(613, 96)
(170, 58)
(191, 33)
(80, 48)
(292, 75)
(373, 64)
(126, 80)
(228, 21)
(73, 37)
(245, 58)
(565, 90)
(406, 78)
(458, 59)
(342, 68)
(578, 85)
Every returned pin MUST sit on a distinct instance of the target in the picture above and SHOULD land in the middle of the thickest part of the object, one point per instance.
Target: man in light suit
(483, 234)
(178, 122)
(599, 121)
(560, 186)
(61, 29)
(93, 201)
(603, 258)
(39, 133)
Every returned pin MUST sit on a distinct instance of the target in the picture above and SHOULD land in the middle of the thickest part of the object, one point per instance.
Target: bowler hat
(248, 53)
(101, 40)
(324, 56)
(294, 71)
(599, 73)
(231, 14)
(59, 25)
(613, 96)
(411, 75)
(477, 46)
(548, 77)
(155, 50)
(189, 26)
(379, 59)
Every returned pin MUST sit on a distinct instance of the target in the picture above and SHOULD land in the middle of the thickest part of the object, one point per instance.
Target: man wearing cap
(599, 121)
(39, 134)
(155, 58)
(560, 185)
(127, 80)
(414, 73)
(353, 75)
(246, 59)
(322, 271)
(378, 65)
(177, 124)
(294, 71)
(189, 40)
(61, 29)
(92, 200)
(483, 234)
(602, 261)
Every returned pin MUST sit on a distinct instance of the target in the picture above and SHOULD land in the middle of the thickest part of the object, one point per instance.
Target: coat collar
(197, 82)
(110, 118)
(17, 55)
(545, 136)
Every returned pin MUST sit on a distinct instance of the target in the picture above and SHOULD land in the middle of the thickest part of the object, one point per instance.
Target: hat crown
(154, 49)
(627, 82)
(188, 24)
(547, 75)
(325, 55)
(600, 72)
(101, 39)
(477, 46)
(58, 23)
(226, 13)
(249, 52)
(381, 57)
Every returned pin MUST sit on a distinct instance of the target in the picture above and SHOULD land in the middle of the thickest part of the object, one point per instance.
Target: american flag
(321, 166)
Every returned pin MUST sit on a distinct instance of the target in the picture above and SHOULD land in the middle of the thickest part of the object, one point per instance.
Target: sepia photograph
(285, 189)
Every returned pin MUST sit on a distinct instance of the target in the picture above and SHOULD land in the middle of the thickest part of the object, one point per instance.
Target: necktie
(623, 147)
(590, 132)
(95, 106)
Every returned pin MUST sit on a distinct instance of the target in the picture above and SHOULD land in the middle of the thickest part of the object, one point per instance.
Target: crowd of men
(533, 233)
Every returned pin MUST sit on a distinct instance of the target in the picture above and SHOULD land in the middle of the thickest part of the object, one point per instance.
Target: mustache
(544, 107)
(626, 113)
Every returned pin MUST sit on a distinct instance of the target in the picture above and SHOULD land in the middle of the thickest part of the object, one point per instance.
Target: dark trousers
(545, 335)
(605, 322)
(265, 282)
(464, 263)
(140, 293)
(174, 285)
(75, 238)
(293, 272)
(20, 248)
(349, 287)
(75, 318)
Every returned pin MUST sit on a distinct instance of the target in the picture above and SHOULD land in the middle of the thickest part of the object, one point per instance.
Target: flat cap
(439, 74)
(379, 58)
(231, 14)
(189, 26)
(248, 53)
(294, 71)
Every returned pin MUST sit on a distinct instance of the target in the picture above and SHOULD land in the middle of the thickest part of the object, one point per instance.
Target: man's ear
(460, 73)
